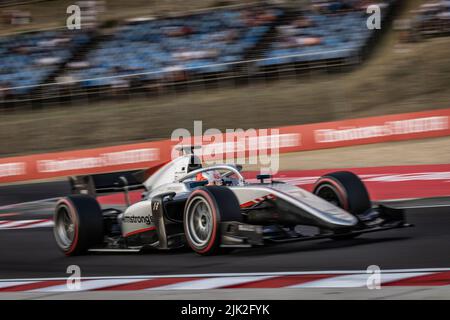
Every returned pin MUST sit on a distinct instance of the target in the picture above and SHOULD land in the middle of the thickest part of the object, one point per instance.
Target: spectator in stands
(433, 18)
(29, 59)
(16, 17)
(178, 31)
(178, 47)
(4, 90)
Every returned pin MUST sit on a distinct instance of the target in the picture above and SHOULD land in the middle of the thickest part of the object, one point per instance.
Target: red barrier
(407, 126)
(417, 125)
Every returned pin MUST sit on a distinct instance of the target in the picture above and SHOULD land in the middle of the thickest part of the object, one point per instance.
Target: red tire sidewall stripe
(213, 206)
(342, 193)
(72, 212)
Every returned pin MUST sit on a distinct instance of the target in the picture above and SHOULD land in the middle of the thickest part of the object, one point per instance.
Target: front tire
(78, 224)
(204, 210)
(345, 190)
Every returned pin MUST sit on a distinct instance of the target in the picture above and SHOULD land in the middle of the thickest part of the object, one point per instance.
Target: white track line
(86, 285)
(25, 224)
(336, 281)
(7, 284)
(45, 223)
(356, 280)
(211, 283)
(251, 274)
(14, 223)
(21, 204)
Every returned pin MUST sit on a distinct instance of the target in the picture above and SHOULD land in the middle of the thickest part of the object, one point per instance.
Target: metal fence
(238, 73)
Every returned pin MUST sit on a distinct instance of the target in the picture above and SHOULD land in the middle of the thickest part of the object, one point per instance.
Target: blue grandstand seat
(152, 46)
(21, 55)
(338, 35)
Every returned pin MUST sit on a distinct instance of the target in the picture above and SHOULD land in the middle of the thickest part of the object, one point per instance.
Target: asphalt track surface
(32, 253)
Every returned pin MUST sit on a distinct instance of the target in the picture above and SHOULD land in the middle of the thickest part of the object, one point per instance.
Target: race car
(213, 210)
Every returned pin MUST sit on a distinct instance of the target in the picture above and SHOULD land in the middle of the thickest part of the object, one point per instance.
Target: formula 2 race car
(180, 207)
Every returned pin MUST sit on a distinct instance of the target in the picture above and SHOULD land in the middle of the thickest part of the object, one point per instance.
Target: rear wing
(107, 182)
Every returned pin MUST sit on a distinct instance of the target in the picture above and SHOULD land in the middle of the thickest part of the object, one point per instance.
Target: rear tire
(204, 210)
(345, 190)
(78, 224)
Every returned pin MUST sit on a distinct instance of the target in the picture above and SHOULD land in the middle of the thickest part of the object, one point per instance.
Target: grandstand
(221, 43)
(197, 44)
(30, 59)
(432, 18)
(396, 77)
(336, 31)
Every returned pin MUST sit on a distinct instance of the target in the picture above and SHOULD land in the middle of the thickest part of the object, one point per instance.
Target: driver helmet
(213, 177)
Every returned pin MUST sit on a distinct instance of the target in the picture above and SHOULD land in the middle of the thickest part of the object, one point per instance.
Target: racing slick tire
(205, 208)
(78, 224)
(346, 190)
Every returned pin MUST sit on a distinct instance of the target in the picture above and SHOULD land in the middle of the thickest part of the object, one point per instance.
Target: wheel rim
(199, 221)
(64, 228)
(329, 193)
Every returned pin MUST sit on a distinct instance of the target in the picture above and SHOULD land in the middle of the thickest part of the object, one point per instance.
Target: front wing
(236, 234)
